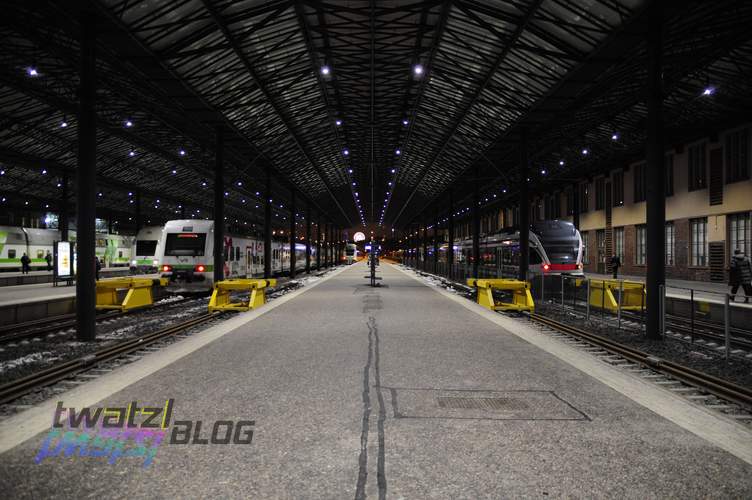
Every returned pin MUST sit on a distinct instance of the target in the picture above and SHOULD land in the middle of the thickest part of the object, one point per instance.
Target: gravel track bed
(706, 360)
(28, 356)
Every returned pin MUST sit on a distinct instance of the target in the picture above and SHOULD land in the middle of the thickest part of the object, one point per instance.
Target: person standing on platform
(740, 273)
(98, 265)
(48, 258)
(615, 265)
(25, 264)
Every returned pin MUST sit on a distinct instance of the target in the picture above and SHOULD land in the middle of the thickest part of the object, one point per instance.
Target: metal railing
(696, 316)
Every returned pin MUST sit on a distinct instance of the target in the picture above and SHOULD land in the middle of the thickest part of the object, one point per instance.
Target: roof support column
(63, 219)
(318, 244)
(476, 224)
(450, 236)
(576, 205)
(219, 209)
(524, 211)
(293, 233)
(425, 246)
(656, 193)
(308, 240)
(268, 225)
(435, 243)
(138, 209)
(86, 172)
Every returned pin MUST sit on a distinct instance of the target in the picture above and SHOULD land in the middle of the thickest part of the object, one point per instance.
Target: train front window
(181, 244)
(146, 248)
(559, 240)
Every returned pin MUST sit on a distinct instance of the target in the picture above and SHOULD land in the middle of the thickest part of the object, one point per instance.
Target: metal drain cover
(481, 404)
(489, 404)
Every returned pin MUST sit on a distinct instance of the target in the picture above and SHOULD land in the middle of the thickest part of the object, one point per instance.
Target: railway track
(46, 326)
(22, 386)
(708, 383)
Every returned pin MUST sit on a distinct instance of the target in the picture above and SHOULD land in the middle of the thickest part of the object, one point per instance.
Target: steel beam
(63, 220)
(86, 190)
(292, 233)
(318, 243)
(476, 224)
(308, 240)
(268, 225)
(450, 245)
(656, 174)
(524, 211)
(219, 208)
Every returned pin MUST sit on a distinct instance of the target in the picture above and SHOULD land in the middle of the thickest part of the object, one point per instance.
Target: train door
(249, 261)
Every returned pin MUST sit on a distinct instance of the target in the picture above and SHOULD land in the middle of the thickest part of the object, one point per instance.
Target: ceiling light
(585, 151)
(338, 122)
(128, 123)
(63, 124)
(418, 69)
(708, 91)
(614, 137)
(325, 70)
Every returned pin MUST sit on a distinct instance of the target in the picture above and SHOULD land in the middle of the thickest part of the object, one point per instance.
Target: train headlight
(155, 262)
(133, 263)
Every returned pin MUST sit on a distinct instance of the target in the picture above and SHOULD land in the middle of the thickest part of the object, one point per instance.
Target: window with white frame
(585, 254)
(670, 243)
(640, 245)
(619, 242)
(698, 230)
(739, 232)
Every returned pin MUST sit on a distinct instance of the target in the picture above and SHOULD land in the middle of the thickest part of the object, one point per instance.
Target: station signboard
(63, 259)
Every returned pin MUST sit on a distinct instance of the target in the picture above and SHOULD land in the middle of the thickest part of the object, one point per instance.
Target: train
(555, 248)
(144, 253)
(351, 252)
(185, 255)
(113, 250)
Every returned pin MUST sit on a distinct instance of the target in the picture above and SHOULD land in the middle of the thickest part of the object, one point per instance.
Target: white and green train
(113, 250)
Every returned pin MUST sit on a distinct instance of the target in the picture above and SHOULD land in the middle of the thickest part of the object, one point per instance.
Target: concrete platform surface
(391, 392)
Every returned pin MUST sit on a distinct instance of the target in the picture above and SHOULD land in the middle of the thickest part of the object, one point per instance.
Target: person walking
(25, 264)
(48, 258)
(615, 265)
(98, 265)
(740, 273)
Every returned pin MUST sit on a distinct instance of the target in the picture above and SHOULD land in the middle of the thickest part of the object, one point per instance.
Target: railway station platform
(399, 391)
(35, 277)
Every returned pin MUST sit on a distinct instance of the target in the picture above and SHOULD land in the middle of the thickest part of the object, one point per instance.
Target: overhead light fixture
(128, 123)
(338, 122)
(614, 137)
(405, 122)
(708, 91)
(325, 70)
(585, 151)
(182, 152)
(63, 124)
(418, 69)
(346, 152)
(32, 71)
(398, 152)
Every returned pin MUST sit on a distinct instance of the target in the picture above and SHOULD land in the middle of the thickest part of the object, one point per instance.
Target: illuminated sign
(192, 235)
(63, 259)
(359, 237)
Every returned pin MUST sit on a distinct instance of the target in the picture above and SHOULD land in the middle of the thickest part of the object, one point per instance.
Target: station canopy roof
(371, 110)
